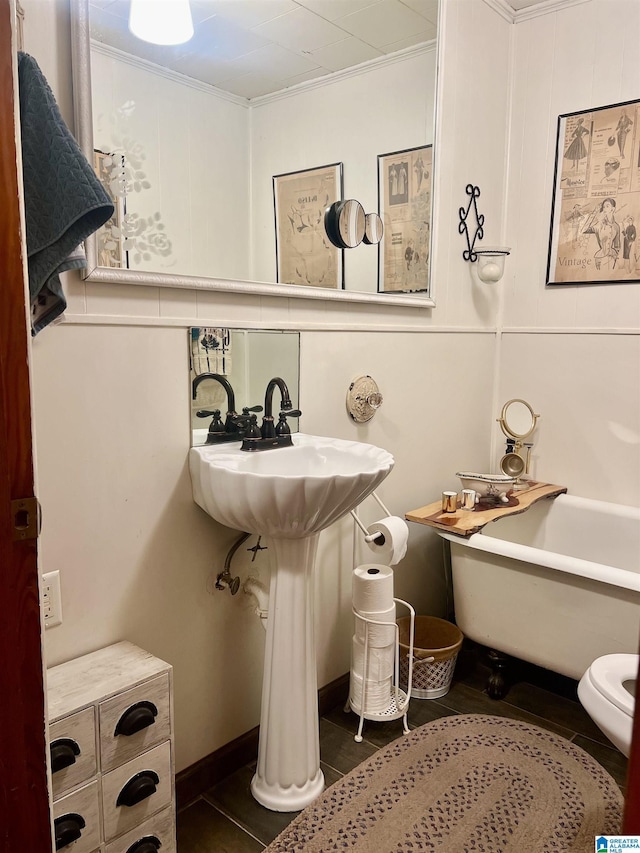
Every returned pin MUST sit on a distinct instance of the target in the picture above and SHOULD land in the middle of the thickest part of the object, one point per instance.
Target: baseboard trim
(193, 781)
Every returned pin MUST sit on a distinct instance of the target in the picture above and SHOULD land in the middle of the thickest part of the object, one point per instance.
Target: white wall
(375, 110)
(195, 145)
(210, 159)
(573, 352)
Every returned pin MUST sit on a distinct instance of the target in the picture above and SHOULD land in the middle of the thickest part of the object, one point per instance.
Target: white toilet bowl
(605, 698)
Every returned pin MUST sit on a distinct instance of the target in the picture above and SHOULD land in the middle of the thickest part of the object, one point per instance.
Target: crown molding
(543, 7)
(208, 88)
(354, 71)
(167, 73)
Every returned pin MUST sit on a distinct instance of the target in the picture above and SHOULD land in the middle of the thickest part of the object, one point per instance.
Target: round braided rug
(460, 784)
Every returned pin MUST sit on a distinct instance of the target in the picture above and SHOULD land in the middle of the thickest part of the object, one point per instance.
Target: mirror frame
(83, 114)
(503, 419)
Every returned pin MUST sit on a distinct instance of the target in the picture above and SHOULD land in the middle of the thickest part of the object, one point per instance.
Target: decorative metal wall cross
(463, 228)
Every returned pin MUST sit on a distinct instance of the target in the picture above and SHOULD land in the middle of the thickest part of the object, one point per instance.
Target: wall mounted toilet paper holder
(370, 537)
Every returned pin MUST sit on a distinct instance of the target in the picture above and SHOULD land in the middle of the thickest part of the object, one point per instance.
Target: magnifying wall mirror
(344, 222)
(188, 138)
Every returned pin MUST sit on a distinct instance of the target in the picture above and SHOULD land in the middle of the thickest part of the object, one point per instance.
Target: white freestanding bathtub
(557, 585)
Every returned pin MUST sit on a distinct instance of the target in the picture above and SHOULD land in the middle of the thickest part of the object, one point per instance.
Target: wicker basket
(435, 650)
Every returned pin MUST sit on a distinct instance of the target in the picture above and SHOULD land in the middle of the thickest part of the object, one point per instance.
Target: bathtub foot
(497, 687)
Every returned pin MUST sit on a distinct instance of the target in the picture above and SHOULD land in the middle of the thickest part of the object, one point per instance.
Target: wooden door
(24, 805)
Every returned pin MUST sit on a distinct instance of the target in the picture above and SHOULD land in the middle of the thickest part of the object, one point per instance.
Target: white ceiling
(254, 47)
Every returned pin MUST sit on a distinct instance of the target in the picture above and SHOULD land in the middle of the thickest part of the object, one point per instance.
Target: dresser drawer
(133, 722)
(72, 744)
(158, 830)
(136, 790)
(77, 820)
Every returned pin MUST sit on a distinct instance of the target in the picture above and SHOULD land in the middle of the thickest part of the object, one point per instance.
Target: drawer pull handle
(68, 828)
(135, 718)
(63, 753)
(138, 788)
(148, 844)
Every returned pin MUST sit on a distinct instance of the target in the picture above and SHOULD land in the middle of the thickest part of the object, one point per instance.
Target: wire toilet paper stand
(399, 702)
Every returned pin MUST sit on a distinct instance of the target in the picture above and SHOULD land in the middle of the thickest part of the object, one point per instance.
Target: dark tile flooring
(226, 819)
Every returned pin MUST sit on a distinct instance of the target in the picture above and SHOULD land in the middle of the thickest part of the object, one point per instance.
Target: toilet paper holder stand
(399, 704)
(370, 537)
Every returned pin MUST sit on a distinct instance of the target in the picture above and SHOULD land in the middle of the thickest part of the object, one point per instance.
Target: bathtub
(557, 585)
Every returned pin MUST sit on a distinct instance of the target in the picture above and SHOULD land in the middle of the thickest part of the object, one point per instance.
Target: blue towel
(64, 200)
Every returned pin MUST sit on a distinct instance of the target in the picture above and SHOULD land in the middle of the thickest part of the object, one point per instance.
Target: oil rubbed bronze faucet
(219, 432)
(268, 428)
(271, 435)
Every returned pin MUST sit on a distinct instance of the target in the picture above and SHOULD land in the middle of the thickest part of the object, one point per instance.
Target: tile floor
(226, 819)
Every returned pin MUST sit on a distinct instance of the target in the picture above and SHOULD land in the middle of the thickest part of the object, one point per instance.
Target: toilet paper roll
(377, 694)
(392, 546)
(379, 663)
(379, 635)
(372, 588)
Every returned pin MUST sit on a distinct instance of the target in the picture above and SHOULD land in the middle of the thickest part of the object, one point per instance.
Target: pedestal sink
(289, 494)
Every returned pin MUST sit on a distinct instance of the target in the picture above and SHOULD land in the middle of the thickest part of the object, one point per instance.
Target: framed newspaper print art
(304, 253)
(596, 201)
(404, 205)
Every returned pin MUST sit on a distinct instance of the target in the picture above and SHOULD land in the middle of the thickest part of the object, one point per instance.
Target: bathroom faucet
(268, 428)
(218, 432)
(271, 435)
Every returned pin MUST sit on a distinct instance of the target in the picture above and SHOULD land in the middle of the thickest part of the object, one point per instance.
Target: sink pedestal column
(288, 775)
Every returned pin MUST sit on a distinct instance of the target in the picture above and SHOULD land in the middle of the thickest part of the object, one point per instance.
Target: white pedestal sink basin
(289, 494)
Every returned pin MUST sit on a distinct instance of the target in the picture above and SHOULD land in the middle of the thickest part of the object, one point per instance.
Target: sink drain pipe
(254, 587)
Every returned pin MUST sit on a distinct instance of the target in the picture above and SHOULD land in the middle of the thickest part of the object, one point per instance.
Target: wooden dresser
(111, 740)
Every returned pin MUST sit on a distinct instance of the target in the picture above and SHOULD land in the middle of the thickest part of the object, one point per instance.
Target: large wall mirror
(189, 137)
(245, 360)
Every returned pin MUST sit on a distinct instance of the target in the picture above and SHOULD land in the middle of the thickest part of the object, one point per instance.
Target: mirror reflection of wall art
(304, 253)
(139, 228)
(596, 206)
(210, 351)
(111, 251)
(404, 204)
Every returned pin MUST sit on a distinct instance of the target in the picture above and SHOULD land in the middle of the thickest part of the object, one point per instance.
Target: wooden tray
(466, 522)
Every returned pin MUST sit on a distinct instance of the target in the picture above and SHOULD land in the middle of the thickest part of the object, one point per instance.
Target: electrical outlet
(51, 600)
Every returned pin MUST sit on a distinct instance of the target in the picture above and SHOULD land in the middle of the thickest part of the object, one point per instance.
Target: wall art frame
(595, 212)
(304, 253)
(110, 238)
(404, 205)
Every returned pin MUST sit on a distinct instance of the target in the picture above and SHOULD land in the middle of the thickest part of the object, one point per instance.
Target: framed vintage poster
(404, 205)
(596, 202)
(111, 252)
(304, 253)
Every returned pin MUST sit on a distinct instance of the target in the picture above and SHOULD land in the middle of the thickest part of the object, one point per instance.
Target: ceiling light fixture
(161, 21)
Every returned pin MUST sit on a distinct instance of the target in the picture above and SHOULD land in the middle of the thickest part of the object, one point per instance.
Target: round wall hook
(363, 399)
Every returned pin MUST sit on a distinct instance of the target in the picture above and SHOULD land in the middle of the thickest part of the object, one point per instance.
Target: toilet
(607, 693)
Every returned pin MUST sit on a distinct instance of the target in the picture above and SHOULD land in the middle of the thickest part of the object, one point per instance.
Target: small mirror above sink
(246, 359)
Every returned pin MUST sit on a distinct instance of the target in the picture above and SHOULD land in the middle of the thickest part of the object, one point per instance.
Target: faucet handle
(247, 409)
(216, 425)
(282, 427)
